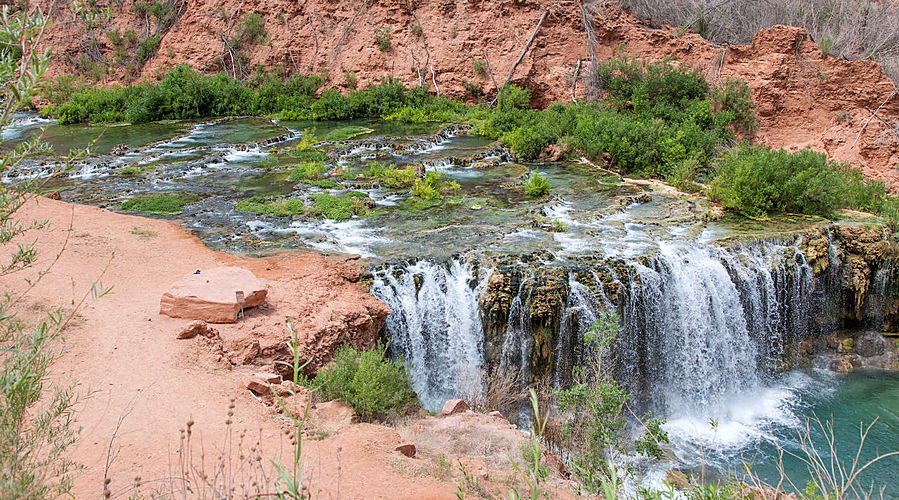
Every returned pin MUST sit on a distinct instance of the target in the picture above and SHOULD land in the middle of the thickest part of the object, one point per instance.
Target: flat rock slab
(211, 296)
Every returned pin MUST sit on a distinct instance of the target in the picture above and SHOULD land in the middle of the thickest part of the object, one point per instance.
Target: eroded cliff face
(804, 97)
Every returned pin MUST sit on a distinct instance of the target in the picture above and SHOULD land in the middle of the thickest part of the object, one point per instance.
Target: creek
(714, 311)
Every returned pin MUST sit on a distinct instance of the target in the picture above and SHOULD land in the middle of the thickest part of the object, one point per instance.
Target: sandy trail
(128, 364)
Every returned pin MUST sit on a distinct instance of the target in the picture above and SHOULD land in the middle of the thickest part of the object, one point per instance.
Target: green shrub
(148, 47)
(157, 204)
(433, 187)
(349, 77)
(537, 185)
(756, 181)
(391, 176)
(734, 107)
(382, 38)
(416, 29)
(513, 97)
(251, 32)
(368, 381)
(480, 67)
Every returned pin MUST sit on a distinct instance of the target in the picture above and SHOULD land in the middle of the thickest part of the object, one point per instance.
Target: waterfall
(700, 324)
(435, 325)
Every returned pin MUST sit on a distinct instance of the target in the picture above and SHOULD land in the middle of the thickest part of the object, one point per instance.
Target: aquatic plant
(309, 170)
(339, 207)
(537, 185)
(272, 207)
(156, 204)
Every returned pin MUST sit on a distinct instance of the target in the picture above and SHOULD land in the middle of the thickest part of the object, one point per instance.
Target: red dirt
(804, 98)
(129, 365)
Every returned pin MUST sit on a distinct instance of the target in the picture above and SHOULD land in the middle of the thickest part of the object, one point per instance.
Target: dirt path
(132, 370)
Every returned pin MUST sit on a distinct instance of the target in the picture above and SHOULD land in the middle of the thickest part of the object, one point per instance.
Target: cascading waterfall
(435, 325)
(701, 324)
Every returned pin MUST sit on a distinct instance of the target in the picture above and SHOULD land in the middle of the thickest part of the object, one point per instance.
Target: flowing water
(707, 309)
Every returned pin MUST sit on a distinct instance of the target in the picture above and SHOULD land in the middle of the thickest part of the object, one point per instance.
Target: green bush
(367, 380)
(391, 176)
(755, 181)
(382, 38)
(734, 107)
(148, 47)
(513, 97)
(433, 187)
(537, 185)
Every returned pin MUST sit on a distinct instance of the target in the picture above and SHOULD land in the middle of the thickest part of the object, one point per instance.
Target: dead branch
(347, 31)
(490, 70)
(577, 73)
(315, 52)
(873, 114)
(525, 50)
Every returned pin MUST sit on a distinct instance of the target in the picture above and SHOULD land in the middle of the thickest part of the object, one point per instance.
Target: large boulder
(211, 295)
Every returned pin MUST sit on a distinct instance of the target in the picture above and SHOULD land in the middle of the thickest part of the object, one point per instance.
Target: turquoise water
(760, 427)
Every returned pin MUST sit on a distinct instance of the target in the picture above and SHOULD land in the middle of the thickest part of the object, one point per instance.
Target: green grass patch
(324, 184)
(339, 207)
(344, 133)
(310, 155)
(309, 170)
(157, 204)
(276, 208)
(135, 171)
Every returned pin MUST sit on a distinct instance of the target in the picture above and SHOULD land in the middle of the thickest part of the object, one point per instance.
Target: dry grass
(849, 29)
(499, 390)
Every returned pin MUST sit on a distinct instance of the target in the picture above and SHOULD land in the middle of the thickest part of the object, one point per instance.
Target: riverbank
(141, 385)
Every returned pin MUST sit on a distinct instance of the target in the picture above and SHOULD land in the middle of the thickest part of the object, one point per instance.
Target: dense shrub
(367, 380)
(755, 181)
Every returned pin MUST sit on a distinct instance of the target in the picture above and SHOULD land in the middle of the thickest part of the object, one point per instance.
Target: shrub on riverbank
(755, 181)
(367, 380)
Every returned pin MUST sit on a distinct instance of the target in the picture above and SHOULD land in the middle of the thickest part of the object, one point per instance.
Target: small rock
(271, 378)
(243, 351)
(870, 344)
(197, 328)
(495, 414)
(454, 406)
(841, 365)
(53, 196)
(407, 449)
(257, 386)
(286, 388)
(331, 416)
(678, 479)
